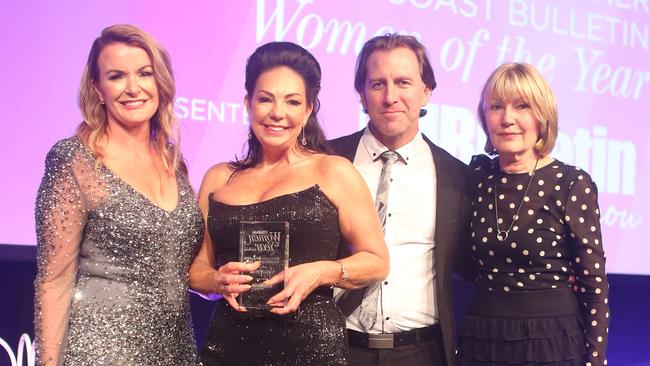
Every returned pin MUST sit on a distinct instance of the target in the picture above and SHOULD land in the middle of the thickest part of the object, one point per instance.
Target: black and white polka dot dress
(526, 311)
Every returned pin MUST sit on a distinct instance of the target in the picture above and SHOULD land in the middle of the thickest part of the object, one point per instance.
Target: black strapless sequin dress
(315, 333)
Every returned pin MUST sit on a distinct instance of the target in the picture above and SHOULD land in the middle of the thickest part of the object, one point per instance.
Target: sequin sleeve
(582, 217)
(60, 219)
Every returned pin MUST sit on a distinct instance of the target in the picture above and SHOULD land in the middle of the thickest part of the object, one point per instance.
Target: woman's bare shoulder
(216, 177)
(334, 166)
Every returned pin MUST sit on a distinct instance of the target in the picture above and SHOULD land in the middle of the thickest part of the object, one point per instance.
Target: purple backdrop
(594, 54)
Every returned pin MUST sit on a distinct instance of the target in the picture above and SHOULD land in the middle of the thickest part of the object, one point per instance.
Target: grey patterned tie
(368, 310)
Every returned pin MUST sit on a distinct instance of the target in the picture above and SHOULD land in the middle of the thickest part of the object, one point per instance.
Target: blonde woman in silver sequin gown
(116, 220)
(285, 177)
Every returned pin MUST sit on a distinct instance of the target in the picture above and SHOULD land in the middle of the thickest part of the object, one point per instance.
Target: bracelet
(344, 275)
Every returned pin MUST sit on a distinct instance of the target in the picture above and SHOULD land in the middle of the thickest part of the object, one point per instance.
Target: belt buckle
(380, 341)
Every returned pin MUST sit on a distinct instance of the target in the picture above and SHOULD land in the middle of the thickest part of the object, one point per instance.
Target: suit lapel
(346, 146)
(445, 202)
(447, 198)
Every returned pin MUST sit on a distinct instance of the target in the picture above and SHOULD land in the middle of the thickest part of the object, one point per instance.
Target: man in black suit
(427, 209)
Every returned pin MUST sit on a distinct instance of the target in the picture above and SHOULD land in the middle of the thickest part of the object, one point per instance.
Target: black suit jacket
(451, 226)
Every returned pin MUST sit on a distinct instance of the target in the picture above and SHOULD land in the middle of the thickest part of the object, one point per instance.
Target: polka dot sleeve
(582, 216)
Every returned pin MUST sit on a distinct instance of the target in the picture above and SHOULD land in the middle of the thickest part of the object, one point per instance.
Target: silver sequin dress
(111, 287)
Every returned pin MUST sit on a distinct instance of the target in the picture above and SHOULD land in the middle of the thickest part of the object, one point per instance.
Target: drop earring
(303, 140)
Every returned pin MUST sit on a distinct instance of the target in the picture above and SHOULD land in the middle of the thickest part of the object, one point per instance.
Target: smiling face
(278, 108)
(393, 95)
(127, 86)
(512, 128)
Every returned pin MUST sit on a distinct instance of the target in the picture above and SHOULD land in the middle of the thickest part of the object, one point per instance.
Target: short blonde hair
(165, 133)
(512, 81)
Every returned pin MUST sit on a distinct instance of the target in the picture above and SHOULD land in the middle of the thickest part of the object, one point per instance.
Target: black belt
(392, 340)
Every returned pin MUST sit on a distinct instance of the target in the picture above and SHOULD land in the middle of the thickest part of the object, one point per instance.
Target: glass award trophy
(267, 242)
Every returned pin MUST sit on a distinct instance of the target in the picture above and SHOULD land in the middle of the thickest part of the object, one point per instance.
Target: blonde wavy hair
(512, 81)
(165, 134)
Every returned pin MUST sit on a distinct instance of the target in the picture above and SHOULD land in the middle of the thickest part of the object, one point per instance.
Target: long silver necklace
(502, 235)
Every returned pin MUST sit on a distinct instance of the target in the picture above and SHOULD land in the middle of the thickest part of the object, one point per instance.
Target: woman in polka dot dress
(535, 238)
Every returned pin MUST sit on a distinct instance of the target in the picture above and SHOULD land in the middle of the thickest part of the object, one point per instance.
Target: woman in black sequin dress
(535, 238)
(285, 176)
(116, 219)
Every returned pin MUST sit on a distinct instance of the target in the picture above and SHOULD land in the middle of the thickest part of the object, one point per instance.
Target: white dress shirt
(407, 297)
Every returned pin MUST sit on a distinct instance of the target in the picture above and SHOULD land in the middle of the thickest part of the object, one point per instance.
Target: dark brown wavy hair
(298, 59)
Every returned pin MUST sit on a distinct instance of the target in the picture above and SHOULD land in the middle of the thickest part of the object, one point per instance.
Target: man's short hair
(389, 42)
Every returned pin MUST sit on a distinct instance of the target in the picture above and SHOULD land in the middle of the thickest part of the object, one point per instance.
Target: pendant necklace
(502, 235)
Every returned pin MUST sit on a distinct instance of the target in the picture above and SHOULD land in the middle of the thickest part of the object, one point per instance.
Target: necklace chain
(502, 235)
